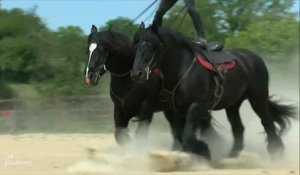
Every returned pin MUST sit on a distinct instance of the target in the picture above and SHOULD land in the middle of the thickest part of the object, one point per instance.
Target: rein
(122, 100)
(144, 11)
(104, 66)
(214, 97)
(173, 91)
(119, 75)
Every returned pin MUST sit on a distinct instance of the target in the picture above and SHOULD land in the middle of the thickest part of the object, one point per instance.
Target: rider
(166, 5)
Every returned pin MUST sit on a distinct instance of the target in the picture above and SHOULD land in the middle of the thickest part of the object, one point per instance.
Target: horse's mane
(115, 41)
(171, 37)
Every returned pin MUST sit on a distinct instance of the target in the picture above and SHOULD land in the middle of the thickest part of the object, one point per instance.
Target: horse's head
(147, 46)
(97, 56)
(107, 51)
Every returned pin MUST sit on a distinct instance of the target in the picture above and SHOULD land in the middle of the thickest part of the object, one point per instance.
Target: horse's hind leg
(237, 128)
(196, 116)
(259, 103)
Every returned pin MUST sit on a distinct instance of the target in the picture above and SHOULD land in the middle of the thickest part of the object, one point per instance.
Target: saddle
(218, 61)
(215, 56)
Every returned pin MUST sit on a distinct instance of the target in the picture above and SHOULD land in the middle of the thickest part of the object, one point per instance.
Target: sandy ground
(43, 154)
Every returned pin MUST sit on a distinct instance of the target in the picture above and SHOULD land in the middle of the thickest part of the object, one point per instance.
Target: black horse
(111, 51)
(189, 87)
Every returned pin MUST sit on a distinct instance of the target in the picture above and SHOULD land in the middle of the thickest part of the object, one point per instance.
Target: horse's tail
(282, 114)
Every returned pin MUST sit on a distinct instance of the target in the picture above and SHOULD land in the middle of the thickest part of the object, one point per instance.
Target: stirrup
(201, 44)
(215, 46)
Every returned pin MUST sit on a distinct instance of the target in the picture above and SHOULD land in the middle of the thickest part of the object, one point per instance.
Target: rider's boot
(202, 42)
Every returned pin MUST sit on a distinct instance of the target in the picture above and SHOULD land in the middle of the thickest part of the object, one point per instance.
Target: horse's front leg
(197, 116)
(121, 126)
(177, 123)
(145, 116)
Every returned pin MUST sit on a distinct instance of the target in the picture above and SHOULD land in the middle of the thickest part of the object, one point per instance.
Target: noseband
(151, 64)
(102, 66)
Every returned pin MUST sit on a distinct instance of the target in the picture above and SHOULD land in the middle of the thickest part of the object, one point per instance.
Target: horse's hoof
(276, 149)
(122, 138)
(176, 146)
(199, 148)
(277, 154)
(234, 154)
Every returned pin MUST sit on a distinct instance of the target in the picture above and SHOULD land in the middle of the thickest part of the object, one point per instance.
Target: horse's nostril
(91, 75)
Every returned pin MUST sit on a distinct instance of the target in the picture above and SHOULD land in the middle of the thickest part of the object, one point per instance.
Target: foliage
(275, 40)
(30, 53)
(5, 93)
(122, 25)
(18, 44)
(235, 16)
(224, 18)
(66, 62)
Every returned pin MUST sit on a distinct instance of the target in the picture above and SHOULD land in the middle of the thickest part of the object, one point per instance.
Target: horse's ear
(93, 29)
(142, 26)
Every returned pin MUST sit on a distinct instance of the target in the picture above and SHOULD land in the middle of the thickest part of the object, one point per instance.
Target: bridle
(151, 64)
(105, 66)
(102, 66)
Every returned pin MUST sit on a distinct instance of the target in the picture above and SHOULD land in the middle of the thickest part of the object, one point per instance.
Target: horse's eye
(149, 45)
(101, 49)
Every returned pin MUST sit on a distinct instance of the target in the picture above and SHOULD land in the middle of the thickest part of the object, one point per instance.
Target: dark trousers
(166, 5)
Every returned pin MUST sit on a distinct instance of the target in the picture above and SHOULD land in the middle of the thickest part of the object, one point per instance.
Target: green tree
(235, 16)
(6, 93)
(18, 22)
(224, 18)
(274, 39)
(122, 25)
(18, 44)
(31, 53)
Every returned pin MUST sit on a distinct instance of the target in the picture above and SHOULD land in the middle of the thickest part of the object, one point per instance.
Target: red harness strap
(156, 72)
(206, 64)
(209, 66)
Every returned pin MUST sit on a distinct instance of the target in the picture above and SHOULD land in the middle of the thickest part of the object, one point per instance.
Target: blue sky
(84, 13)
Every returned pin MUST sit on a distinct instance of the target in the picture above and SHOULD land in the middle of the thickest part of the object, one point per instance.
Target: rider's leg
(164, 6)
(190, 5)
